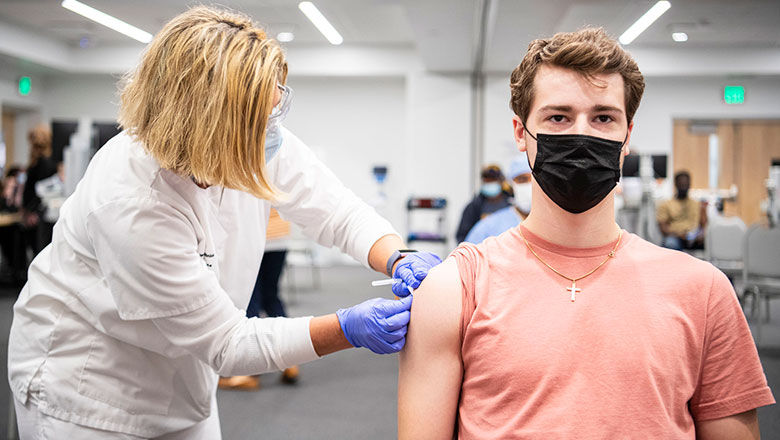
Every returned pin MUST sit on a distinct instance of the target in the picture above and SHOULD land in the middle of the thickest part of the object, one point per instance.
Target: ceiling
(443, 32)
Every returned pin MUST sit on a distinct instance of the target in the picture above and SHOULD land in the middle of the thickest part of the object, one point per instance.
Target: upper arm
(431, 369)
(742, 426)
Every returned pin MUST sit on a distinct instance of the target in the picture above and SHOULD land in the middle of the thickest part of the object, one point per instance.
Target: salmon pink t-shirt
(654, 341)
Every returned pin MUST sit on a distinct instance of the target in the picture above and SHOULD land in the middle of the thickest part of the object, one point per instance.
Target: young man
(566, 326)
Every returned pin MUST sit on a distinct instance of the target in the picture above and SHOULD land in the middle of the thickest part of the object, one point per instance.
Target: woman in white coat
(135, 308)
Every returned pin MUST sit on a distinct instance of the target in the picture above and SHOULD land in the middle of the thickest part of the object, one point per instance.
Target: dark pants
(266, 293)
(14, 252)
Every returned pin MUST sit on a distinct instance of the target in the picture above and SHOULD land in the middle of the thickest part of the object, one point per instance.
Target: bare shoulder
(436, 308)
(430, 371)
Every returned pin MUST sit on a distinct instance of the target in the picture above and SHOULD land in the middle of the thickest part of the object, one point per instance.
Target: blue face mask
(273, 129)
(490, 189)
(273, 141)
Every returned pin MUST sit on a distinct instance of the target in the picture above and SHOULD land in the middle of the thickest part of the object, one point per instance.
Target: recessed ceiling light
(644, 22)
(323, 25)
(107, 20)
(679, 37)
(285, 37)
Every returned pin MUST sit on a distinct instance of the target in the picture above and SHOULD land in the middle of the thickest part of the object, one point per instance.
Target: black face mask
(576, 171)
(682, 194)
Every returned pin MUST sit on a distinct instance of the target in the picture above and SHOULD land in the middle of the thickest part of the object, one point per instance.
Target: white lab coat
(137, 302)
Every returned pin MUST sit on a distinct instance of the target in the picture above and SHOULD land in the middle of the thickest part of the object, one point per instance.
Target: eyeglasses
(280, 111)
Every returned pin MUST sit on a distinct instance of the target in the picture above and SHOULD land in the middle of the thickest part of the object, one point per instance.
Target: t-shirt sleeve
(731, 379)
(468, 258)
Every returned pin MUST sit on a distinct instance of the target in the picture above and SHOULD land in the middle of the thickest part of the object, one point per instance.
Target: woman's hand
(412, 269)
(378, 324)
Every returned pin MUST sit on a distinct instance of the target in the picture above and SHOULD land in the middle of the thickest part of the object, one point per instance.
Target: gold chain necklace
(573, 289)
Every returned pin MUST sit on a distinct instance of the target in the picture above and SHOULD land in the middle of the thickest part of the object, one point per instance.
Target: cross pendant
(573, 289)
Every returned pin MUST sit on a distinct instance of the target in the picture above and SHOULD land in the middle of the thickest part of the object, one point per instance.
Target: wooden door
(757, 143)
(691, 153)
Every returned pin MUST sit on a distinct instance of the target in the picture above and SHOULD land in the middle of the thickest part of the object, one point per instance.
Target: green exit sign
(25, 85)
(734, 94)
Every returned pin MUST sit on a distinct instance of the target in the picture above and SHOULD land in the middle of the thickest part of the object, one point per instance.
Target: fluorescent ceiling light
(679, 37)
(285, 37)
(644, 22)
(315, 16)
(107, 20)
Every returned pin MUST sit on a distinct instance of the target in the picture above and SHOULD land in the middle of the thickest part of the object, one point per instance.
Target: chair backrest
(724, 239)
(762, 252)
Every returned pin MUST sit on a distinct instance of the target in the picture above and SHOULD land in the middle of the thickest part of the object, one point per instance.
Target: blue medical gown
(494, 224)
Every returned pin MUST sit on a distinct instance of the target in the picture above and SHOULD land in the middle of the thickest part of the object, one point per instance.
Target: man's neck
(593, 228)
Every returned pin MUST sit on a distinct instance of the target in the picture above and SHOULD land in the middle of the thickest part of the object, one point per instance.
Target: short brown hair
(201, 96)
(589, 51)
(40, 143)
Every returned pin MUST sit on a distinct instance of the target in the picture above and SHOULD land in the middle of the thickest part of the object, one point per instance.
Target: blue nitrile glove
(378, 324)
(412, 269)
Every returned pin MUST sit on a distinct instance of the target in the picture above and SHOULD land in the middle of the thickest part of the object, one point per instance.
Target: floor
(352, 394)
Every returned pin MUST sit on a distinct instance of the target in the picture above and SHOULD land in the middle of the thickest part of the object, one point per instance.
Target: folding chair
(761, 273)
(724, 245)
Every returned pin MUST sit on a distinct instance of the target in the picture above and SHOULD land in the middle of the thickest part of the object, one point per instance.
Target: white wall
(418, 126)
(438, 152)
(354, 124)
(70, 96)
(499, 142)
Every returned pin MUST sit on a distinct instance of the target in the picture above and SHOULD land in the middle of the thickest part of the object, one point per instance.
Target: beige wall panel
(691, 153)
(759, 142)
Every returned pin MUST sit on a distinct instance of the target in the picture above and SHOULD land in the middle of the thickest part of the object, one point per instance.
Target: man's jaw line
(592, 228)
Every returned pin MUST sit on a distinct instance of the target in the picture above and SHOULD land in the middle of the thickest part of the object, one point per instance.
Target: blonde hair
(589, 51)
(40, 143)
(201, 96)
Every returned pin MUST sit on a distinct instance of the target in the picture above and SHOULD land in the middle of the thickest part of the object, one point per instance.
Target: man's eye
(605, 118)
(557, 118)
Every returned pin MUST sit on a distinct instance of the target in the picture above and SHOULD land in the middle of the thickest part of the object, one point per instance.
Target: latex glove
(412, 269)
(378, 324)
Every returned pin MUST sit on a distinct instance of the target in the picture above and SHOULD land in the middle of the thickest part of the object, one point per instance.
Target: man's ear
(626, 150)
(519, 131)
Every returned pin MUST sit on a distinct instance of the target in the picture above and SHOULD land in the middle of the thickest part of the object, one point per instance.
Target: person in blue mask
(511, 216)
(494, 195)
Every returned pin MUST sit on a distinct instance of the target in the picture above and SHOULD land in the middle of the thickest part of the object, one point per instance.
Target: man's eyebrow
(557, 108)
(607, 108)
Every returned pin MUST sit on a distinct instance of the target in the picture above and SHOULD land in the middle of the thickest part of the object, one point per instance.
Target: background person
(129, 316)
(40, 167)
(494, 194)
(14, 262)
(680, 217)
(511, 216)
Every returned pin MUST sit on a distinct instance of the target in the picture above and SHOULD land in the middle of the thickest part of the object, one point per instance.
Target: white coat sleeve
(316, 200)
(148, 254)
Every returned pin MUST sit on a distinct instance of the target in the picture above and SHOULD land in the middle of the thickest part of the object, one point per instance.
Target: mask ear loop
(525, 128)
(533, 171)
